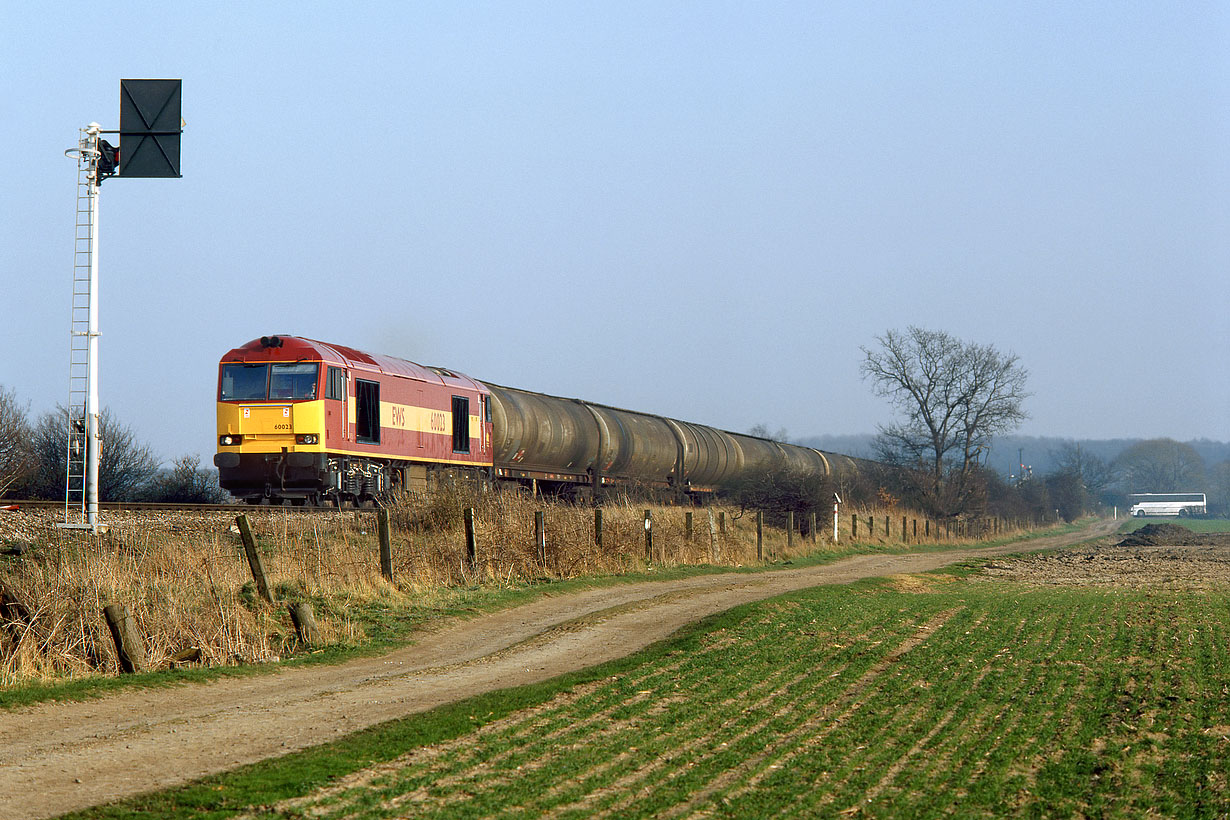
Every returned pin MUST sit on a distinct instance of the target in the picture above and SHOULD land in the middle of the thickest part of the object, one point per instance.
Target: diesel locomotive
(311, 423)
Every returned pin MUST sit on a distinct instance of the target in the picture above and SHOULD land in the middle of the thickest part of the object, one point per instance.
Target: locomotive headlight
(307, 438)
(229, 440)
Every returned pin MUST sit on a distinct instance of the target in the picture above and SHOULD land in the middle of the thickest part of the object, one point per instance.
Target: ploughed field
(1093, 681)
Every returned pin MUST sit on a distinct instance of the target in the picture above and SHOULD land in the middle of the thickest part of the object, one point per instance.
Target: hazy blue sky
(696, 209)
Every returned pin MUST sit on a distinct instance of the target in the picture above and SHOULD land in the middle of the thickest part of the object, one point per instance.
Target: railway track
(160, 506)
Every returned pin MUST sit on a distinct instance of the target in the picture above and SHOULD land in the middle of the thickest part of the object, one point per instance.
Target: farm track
(58, 757)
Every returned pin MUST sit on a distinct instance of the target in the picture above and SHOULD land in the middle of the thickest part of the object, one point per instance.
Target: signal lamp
(307, 438)
(229, 440)
(108, 160)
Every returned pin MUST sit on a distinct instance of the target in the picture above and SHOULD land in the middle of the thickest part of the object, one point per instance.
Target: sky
(703, 210)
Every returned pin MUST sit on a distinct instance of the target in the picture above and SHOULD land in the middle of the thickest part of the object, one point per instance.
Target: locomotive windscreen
(293, 381)
(248, 382)
(244, 382)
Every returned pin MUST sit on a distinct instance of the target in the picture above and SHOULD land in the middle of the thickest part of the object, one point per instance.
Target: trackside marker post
(648, 535)
(836, 502)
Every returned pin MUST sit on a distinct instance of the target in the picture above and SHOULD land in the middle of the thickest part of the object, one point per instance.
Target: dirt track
(58, 757)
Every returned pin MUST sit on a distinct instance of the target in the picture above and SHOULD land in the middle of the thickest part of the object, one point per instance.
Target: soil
(56, 757)
(1156, 556)
(1153, 535)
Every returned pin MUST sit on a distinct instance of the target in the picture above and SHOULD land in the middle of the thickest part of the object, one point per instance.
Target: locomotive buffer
(149, 134)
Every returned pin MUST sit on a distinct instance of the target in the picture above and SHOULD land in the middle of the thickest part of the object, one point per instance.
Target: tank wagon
(312, 423)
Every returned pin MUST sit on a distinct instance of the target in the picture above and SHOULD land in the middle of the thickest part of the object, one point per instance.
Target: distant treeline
(1039, 453)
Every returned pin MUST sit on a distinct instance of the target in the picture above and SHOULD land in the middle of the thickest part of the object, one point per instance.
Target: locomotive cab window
(367, 411)
(335, 387)
(243, 382)
(293, 380)
(461, 424)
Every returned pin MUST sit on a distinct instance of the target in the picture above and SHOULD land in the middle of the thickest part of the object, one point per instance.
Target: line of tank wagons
(308, 422)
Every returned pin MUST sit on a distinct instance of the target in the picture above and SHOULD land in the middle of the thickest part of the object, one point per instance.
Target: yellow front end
(271, 427)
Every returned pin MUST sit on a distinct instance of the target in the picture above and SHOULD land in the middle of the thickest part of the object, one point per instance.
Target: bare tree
(778, 490)
(187, 483)
(126, 467)
(1161, 465)
(762, 431)
(1219, 488)
(1094, 473)
(15, 456)
(955, 396)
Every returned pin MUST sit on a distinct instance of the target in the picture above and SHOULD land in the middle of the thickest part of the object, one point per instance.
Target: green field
(928, 696)
(1193, 524)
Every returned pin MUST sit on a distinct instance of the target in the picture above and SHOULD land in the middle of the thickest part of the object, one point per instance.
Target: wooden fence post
(129, 647)
(598, 527)
(471, 540)
(790, 530)
(722, 522)
(915, 529)
(254, 559)
(649, 535)
(304, 619)
(714, 553)
(905, 538)
(815, 536)
(687, 526)
(887, 533)
(386, 548)
(540, 536)
(853, 526)
(759, 536)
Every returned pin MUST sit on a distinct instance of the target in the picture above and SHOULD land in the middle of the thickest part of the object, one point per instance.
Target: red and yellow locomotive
(310, 422)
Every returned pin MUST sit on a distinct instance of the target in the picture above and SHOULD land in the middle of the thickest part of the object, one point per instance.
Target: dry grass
(185, 580)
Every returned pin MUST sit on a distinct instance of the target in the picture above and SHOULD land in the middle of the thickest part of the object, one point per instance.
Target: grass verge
(391, 617)
(936, 695)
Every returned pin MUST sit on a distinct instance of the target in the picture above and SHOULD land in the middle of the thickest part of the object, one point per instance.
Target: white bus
(1168, 504)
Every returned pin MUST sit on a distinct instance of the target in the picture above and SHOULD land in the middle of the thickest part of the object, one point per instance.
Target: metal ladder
(79, 344)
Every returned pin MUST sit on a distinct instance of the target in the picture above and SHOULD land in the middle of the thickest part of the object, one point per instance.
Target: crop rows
(967, 699)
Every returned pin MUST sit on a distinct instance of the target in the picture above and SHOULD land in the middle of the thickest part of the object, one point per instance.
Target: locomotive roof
(298, 348)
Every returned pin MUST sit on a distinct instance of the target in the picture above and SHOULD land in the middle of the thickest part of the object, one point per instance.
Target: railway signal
(150, 128)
